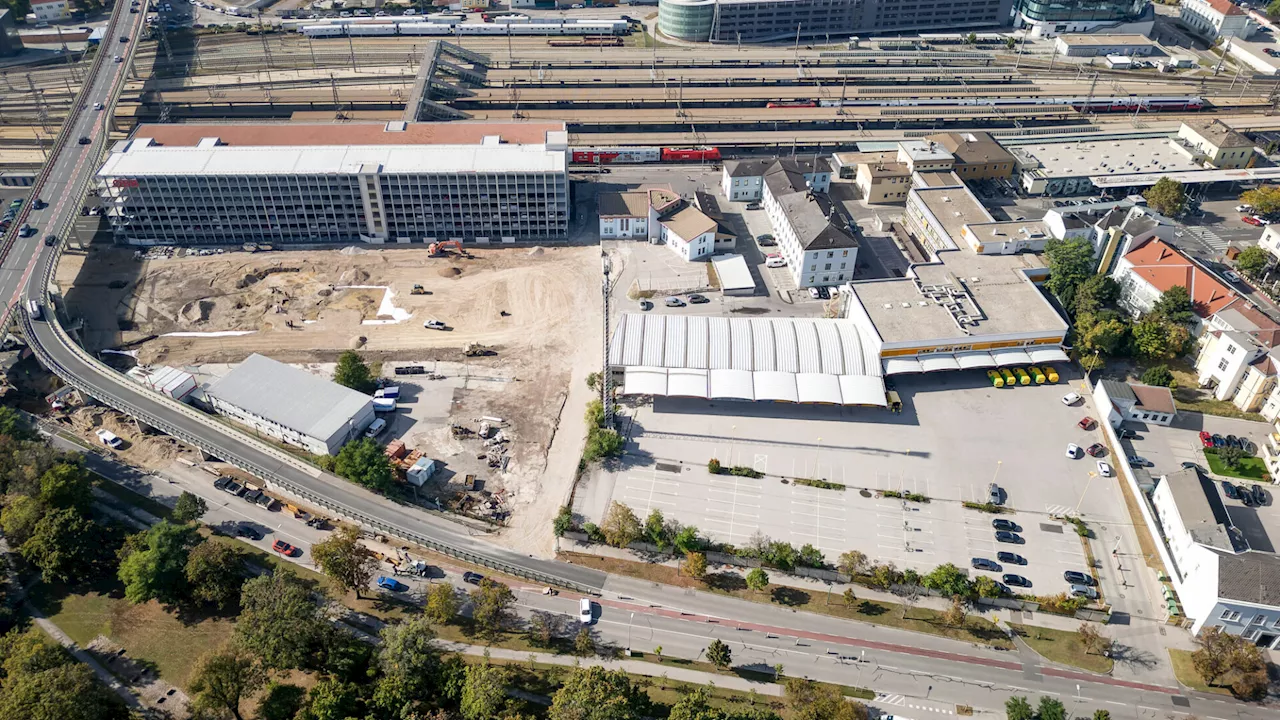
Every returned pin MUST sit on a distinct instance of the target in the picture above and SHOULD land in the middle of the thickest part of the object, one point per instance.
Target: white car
(1231, 276)
(97, 106)
(813, 293)
(1104, 469)
(1244, 208)
(375, 428)
(119, 59)
(108, 438)
(434, 325)
(775, 261)
(584, 611)
(1073, 451)
(1071, 398)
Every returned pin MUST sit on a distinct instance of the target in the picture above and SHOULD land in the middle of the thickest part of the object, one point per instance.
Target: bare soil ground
(538, 307)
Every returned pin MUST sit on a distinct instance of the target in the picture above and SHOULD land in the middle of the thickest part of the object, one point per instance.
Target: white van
(34, 310)
(375, 428)
(108, 438)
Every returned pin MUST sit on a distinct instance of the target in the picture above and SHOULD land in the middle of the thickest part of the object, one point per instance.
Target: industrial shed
(795, 360)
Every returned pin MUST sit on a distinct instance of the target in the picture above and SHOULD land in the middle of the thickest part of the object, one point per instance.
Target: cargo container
(165, 380)
(384, 405)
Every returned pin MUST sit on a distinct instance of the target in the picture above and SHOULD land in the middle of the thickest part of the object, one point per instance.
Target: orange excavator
(437, 249)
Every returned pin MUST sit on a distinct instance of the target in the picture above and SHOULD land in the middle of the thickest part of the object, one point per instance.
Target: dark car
(1096, 450)
(985, 564)
(1011, 558)
(221, 483)
(766, 240)
(246, 531)
(1075, 577)
(85, 141)
(124, 39)
(251, 496)
(50, 240)
(1011, 579)
(1126, 433)
(1218, 441)
(391, 584)
(1008, 537)
(1002, 524)
(1232, 441)
(1248, 447)
(471, 577)
(1194, 466)
(1246, 498)
(1230, 490)
(233, 488)
(698, 299)
(824, 293)
(39, 204)
(1259, 495)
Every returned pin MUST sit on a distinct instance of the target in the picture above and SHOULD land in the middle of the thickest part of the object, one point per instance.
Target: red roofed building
(1153, 267)
(1214, 19)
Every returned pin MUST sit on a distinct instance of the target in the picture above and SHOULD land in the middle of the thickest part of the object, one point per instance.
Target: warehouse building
(1099, 45)
(291, 405)
(368, 182)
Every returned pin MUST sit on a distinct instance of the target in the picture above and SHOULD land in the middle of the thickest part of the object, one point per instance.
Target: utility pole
(606, 377)
(796, 57)
(266, 50)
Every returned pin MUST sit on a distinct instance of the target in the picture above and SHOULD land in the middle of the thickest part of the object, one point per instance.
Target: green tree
(215, 573)
(1253, 259)
(411, 665)
(28, 652)
(1230, 456)
(1096, 293)
(19, 518)
(1220, 655)
(852, 563)
(63, 545)
(442, 603)
(189, 508)
(1070, 264)
(563, 522)
(583, 643)
(281, 701)
(593, 693)
(655, 529)
(695, 565)
(224, 678)
(1175, 306)
(620, 526)
(12, 423)
(364, 463)
(346, 560)
(66, 485)
(1266, 198)
(1167, 197)
(332, 699)
(1101, 334)
(719, 654)
(157, 571)
(601, 443)
(1158, 375)
(66, 692)
(491, 606)
(1155, 339)
(948, 580)
(484, 695)
(985, 587)
(696, 705)
(884, 575)
(955, 615)
(1051, 709)
(686, 541)
(1017, 708)
(1106, 714)
(757, 579)
(808, 700)
(352, 372)
(279, 620)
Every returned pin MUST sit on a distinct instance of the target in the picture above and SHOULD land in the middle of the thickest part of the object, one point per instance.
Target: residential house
(50, 10)
(977, 156)
(1120, 401)
(623, 214)
(1239, 358)
(743, 180)
(1153, 266)
(726, 236)
(660, 215)
(1215, 144)
(1215, 19)
(1270, 241)
(882, 182)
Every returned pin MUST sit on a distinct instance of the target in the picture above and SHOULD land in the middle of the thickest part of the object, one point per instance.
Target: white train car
(364, 30)
(421, 28)
(507, 19)
(324, 31)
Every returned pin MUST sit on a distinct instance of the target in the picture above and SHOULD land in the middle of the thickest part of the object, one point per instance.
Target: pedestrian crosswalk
(902, 701)
(1208, 237)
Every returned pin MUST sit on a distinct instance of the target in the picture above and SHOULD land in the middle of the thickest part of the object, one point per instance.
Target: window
(1229, 616)
(1258, 620)
(1231, 349)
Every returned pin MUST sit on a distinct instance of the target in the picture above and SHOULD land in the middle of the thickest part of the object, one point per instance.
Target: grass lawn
(131, 498)
(1250, 468)
(976, 629)
(148, 632)
(1187, 675)
(1062, 646)
(1189, 397)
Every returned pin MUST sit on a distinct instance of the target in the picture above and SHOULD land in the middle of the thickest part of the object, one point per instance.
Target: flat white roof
(1191, 176)
(732, 271)
(140, 159)
(1104, 157)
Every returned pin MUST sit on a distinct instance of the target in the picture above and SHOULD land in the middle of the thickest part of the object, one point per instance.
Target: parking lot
(955, 435)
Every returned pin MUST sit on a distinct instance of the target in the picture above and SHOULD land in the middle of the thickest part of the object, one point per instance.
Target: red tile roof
(353, 133)
(1163, 267)
(1268, 332)
(1226, 7)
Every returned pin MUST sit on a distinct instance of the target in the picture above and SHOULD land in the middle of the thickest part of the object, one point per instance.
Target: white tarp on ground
(936, 362)
(1006, 357)
(1047, 355)
(775, 359)
(972, 360)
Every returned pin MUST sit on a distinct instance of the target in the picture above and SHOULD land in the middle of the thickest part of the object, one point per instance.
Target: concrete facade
(1214, 19)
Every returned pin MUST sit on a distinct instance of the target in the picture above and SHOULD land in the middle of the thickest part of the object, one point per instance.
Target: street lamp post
(632, 619)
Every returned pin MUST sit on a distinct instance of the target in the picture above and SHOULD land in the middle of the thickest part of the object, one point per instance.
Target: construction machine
(437, 249)
(478, 350)
(418, 290)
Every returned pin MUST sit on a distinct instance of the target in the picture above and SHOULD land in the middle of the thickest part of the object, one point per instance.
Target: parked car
(1139, 461)
(233, 488)
(375, 428)
(1104, 469)
(251, 496)
(813, 293)
(1206, 439)
(674, 302)
(1097, 450)
(1195, 466)
(1073, 451)
(435, 325)
(765, 240)
(995, 494)
(248, 531)
(774, 260)
(1251, 220)
(1246, 498)
(108, 438)
(1011, 558)
(221, 483)
(754, 206)
(1075, 577)
(1084, 591)
(1230, 275)
(696, 299)
(584, 611)
(472, 577)
(1008, 537)
(1218, 440)
(1071, 398)
(645, 305)
(284, 548)
(1127, 434)
(1245, 208)
(1018, 580)
(1002, 524)
(1259, 495)
(391, 584)
(985, 564)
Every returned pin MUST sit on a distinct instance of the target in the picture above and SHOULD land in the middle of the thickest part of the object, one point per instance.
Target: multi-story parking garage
(338, 183)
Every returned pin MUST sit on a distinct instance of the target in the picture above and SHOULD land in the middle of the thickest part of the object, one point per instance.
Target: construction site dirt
(536, 308)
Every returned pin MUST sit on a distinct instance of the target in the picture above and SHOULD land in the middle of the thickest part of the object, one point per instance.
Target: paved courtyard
(955, 435)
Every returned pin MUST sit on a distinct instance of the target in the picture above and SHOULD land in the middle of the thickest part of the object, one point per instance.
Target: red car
(1087, 423)
(284, 548)
(1097, 450)
(1206, 439)
(1252, 221)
